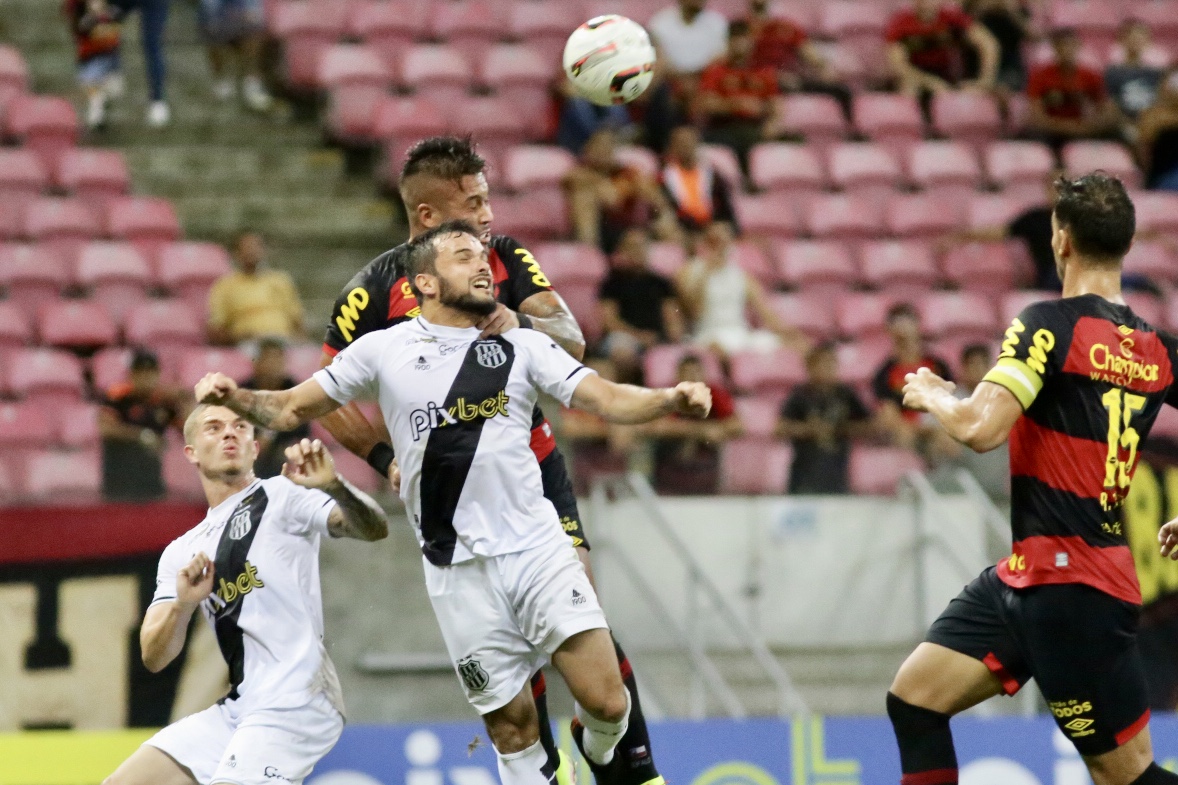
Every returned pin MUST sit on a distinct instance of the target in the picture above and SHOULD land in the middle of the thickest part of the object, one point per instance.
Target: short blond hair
(193, 421)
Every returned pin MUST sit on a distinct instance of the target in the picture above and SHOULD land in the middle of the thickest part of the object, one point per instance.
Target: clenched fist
(195, 581)
(693, 399)
(215, 389)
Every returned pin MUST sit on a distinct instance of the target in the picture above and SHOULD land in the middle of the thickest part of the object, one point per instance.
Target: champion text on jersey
(433, 416)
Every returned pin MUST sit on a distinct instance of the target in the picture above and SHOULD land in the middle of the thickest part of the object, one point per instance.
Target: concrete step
(297, 218)
(219, 170)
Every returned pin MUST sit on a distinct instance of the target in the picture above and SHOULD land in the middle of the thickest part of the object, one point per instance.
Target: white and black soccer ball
(609, 59)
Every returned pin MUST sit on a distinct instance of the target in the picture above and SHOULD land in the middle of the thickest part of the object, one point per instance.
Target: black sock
(1156, 775)
(634, 747)
(540, 696)
(927, 756)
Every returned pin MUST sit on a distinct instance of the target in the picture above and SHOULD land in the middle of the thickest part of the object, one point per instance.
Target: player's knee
(509, 737)
(911, 720)
(608, 704)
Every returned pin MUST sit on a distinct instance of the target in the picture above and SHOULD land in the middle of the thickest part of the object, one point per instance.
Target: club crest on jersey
(490, 354)
(473, 675)
(240, 524)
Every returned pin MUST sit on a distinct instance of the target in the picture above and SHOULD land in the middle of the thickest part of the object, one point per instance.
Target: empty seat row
(755, 466)
(67, 223)
(86, 324)
(82, 171)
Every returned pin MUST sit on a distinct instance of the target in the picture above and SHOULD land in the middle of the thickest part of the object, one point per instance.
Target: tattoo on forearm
(362, 517)
(563, 329)
(259, 407)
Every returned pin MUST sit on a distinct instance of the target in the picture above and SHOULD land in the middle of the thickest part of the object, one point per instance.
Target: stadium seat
(77, 426)
(754, 467)
(923, 215)
(1021, 167)
(545, 24)
(15, 328)
(148, 222)
(302, 360)
(353, 73)
(530, 220)
(945, 170)
(31, 275)
(307, 28)
(818, 118)
(115, 274)
(844, 217)
(351, 116)
(493, 121)
(1153, 260)
(46, 125)
(1164, 427)
(859, 361)
(538, 169)
(93, 175)
(1147, 306)
(667, 259)
(758, 415)
(966, 116)
(181, 478)
(110, 366)
(890, 119)
(639, 10)
(402, 120)
(165, 326)
(188, 270)
(26, 426)
(76, 324)
(966, 315)
(14, 73)
(863, 315)
(809, 312)
(750, 256)
(581, 298)
(980, 267)
(1157, 211)
(857, 25)
(22, 175)
(864, 167)
(725, 162)
(826, 266)
(566, 262)
(61, 473)
(1013, 303)
(1112, 157)
(1097, 21)
(640, 158)
(767, 372)
(791, 168)
(443, 73)
(52, 376)
(660, 364)
(899, 266)
(468, 25)
(772, 215)
(521, 75)
(1162, 21)
(196, 362)
(63, 225)
(388, 26)
(989, 210)
(878, 470)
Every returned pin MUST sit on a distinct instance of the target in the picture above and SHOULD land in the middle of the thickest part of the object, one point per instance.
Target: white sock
(525, 767)
(601, 737)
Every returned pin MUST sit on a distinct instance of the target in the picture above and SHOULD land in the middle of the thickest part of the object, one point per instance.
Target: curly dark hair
(1098, 213)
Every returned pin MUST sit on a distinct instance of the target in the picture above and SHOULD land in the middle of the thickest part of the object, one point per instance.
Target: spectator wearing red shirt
(736, 98)
(1068, 99)
(782, 44)
(97, 33)
(927, 49)
(909, 353)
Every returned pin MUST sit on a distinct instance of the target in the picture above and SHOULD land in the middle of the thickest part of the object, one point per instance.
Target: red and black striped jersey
(1091, 377)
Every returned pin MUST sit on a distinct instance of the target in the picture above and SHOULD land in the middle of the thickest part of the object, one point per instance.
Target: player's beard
(465, 301)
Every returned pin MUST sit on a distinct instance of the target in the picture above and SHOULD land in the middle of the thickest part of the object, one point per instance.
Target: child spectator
(1068, 99)
(97, 35)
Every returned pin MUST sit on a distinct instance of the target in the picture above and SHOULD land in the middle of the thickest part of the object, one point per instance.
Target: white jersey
(459, 410)
(266, 607)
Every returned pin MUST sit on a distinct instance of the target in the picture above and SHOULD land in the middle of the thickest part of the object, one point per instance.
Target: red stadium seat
(22, 175)
(388, 26)
(1147, 306)
(725, 161)
(891, 119)
(1013, 303)
(862, 315)
(1157, 211)
(94, 175)
(538, 169)
(787, 167)
(771, 215)
(980, 267)
(767, 372)
(966, 315)
(31, 275)
(59, 473)
(46, 125)
(899, 266)
(581, 298)
(750, 256)
(1019, 165)
(754, 466)
(307, 28)
(966, 116)
(163, 325)
(26, 426)
(148, 222)
(945, 170)
(878, 470)
(64, 225)
(530, 220)
(661, 363)
(667, 259)
(351, 116)
(188, 270)
(519, 74)
(809, 312)
(566, 262)
(442, 73)
(14, 72)
(545, 24)
(840, 216)
(77, 426)
(15, 328)
(922, 215)
(862, 167)
(116, 274)
(50, 375)
(76, 324)
(818, 118)
(493, 122)
(758, 415)
(1152, 260)
(1096, 21)
(195, 363)
(990, 210)
(469, 25)
(815, 266)
(1112, 157)
(402, 120)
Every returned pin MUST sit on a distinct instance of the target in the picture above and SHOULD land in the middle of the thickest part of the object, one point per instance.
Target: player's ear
(190, 454)
(426, 284)
(427, 216)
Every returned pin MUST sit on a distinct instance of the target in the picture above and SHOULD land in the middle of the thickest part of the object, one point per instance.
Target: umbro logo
(578, 598)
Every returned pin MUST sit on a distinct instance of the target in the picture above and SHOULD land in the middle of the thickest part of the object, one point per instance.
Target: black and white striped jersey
(459, 409)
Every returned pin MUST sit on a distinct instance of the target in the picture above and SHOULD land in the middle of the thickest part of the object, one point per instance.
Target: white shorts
(502, 617)
(262, 747)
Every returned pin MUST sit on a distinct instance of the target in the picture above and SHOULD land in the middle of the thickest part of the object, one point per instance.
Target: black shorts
(1078, 643)
(558, 489)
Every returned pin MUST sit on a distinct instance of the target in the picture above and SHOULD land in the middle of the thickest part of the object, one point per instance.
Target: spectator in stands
(96, 29)
(1157, 137)
(236, 28)
(717, 294)
(686, 452)
(1135, 71)
(580, 119)
(735, 102)
(929, 50)
(253, 302)
(689, 37)
(153, 20)
(1068, 99)
(782, 44)
(133, 419)
(821, 417)
(606, 197)
(698, 193)
(903, 426)
(1009, 22)
(270, 374)
(598, 447)
(638, 307)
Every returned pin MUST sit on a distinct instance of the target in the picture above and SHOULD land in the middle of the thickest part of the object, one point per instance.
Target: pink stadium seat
(31, 275)
(826, 266)
(1147, 306)
(660, 364)
(77, 426)
(545, 24)
(64, 225)
(530, 220)
(354, 70)
(46, 125)
(302, 360)
(965, 315)
(181, 478)
(357, 470)
(307, 28)
(538, 169)
(901, 267)
(388, 26)
(857, 25)
(351, 116)
(750, 256)
(667, 259)
(50, 375)
(891, 119)
(859, 361)
(76, 324)
(148, 222)
(1013, 303)
(1097, 21)
(857, 166)
(14, 72)
(60, 473)
(1152, 260)
(1162, 21)
(758, 415)
(1157, 211)
(878, 470)
(966, 116)
(862, 315)
(26, 426)
(1019, 165)
(842, 216)
(818, 118)
(94, 175)
(754, 466)
(566, 262)
(771, 215)
(980, 267)
(196, 362)
(989, 210)
(725, 161)
(581, 298)
(945, 170)
(639, 10)
(165, 326)
(767, 372)
(109, 367)
(809, 312)
(402, 120)
(441, 72)
(188, 270)
(1165, 426)
(22, 175)
(116, 274)
(15, 328)
(494, 122)
(1112, 157)
(469, 25)
(923, 215)
(786, 167)
(520, 74)
(640, 158)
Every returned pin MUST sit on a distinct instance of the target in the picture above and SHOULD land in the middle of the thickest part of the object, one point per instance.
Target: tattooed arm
(355, 514)
(545, 312)
(278, 410)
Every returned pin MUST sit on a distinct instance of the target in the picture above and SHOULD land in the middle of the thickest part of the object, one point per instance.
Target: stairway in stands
(224, 168)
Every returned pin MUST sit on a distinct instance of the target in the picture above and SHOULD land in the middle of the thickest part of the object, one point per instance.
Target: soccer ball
(609, 59)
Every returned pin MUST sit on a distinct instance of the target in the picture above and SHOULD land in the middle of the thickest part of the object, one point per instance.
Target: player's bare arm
(626, 404)
(165, 625)
(278, 410)
(355, 515)
(546, 312)
(981, 422)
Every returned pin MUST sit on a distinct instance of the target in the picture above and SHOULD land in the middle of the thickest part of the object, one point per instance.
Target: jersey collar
(447, 332)
(233, 500)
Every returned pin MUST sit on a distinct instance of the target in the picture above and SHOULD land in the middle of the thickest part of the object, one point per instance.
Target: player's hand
(921, 387)
(309, 464)
(215, 388)
(195, 581)
(1168, 539)
(693, 399)
(395, 476)
(499, 322)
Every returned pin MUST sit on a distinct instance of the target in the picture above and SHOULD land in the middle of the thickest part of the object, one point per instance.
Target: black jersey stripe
(1038, 510)
(450, 449)
(228, 592)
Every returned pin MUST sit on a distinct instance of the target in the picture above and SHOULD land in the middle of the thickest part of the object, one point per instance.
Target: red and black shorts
(558, 489)
(1078, 643)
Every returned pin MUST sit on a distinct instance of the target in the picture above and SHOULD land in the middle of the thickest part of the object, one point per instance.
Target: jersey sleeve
(354, 372)
(361, 308)
(1031, 353)
(550, 368)
(305, 510)
(524, 276)
(171, 562)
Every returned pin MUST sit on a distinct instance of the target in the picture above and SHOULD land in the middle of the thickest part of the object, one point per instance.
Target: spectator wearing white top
(689, 36)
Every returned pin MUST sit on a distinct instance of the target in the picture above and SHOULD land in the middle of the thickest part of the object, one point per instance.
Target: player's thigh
(280, 746)
(589, 666)
(150, 766)
(942, 680)
(197, 742)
